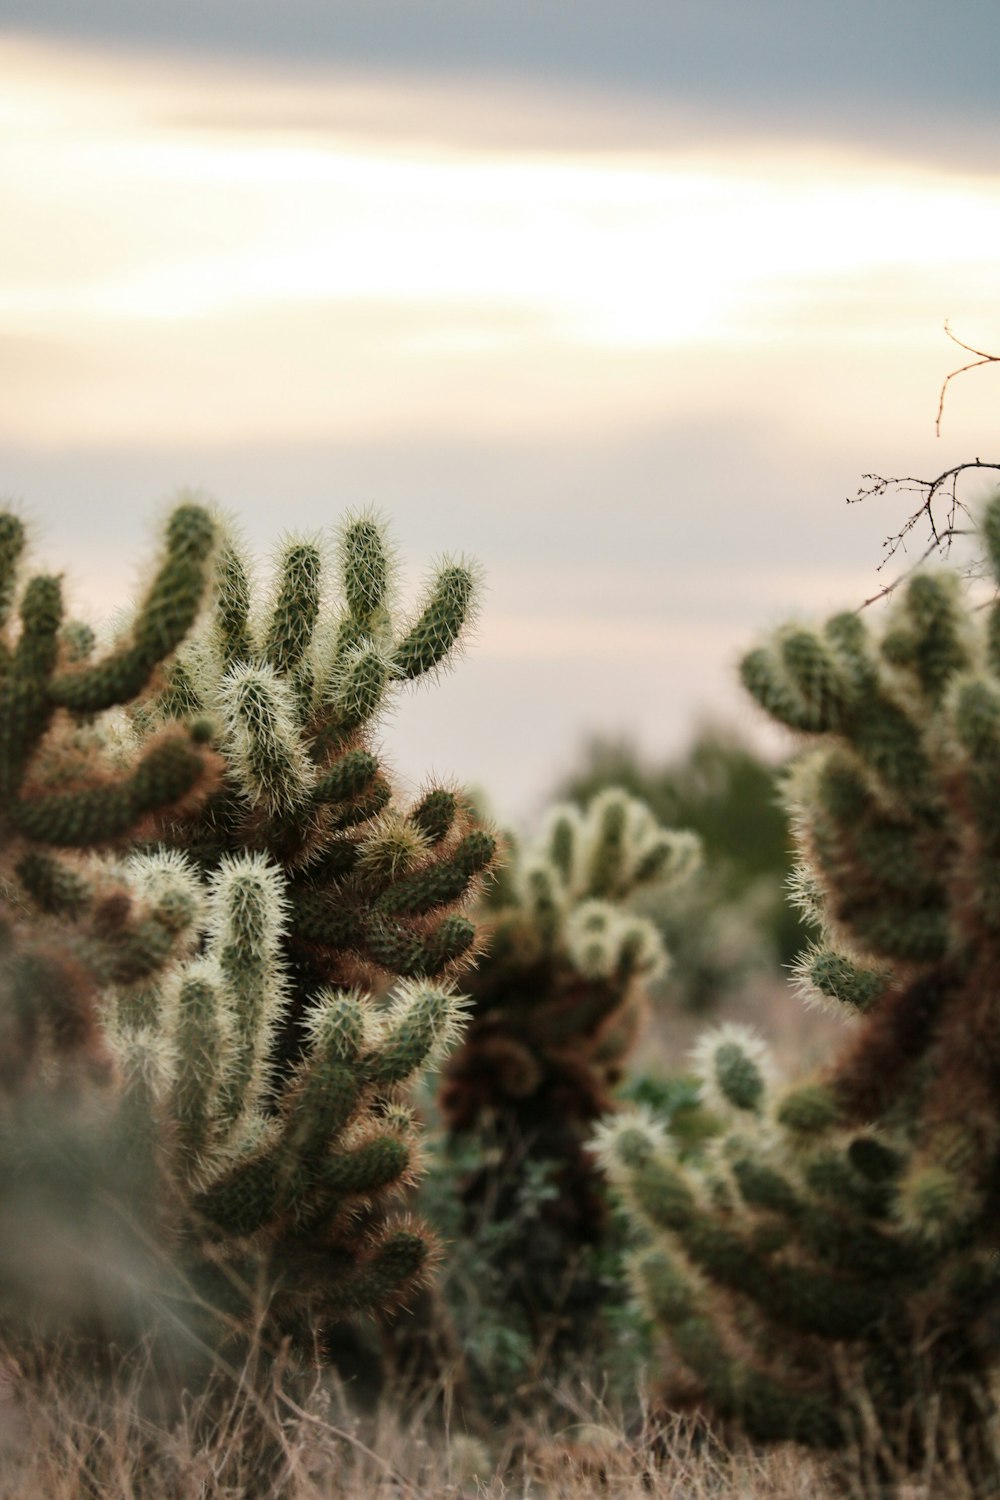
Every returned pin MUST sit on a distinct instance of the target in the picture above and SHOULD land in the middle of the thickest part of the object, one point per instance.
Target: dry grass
(65, 1436)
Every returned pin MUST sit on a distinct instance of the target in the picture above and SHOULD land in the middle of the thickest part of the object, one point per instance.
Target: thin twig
(982, 358)
(942, 490)
(349, 1437)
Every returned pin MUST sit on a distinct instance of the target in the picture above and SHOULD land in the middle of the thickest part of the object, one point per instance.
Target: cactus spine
(835, 1255)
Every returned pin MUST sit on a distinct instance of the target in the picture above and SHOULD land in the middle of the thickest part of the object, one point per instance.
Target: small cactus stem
(368, 1168)
(766, 681)
(401, 951)
(668, 858)
(389, 849)
(387, 1276)
(435, 814)
(563, 838)
(348, 777)
(231, 620)
(342, 1024)
(264, 740)
(442, 882)
(734, 1068)
(640, 951)
(445, 614)
(825, 690)
(295, 610)
(41, 617)
(366, 568)
(355, 693)
(932, 608)
(164, 618)
(12, 540)
(248, 1197)
(808, 1110)
(375, 799)
(247, 921)
(53, 886)
(540, 894)
(200, 1032)
(421, 1026)
(172, 888)
(589, 935)
(316, 1105)
(25, 707)
(171, 768)
(823, 973)
(607, 854)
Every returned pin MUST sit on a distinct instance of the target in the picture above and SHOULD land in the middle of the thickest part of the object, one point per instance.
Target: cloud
(912, 74)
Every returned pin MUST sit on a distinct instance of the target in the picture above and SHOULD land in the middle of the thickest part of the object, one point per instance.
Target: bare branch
(982, 358)
(941, 508)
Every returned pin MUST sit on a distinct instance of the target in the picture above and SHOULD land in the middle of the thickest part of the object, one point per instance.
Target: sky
(622, 301)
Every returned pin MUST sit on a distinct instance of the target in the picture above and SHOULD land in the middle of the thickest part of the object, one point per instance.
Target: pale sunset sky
(621, 299)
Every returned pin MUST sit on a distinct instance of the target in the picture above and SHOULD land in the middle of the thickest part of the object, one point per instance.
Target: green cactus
(834, 1254)
(373, 889)
(558, 1000)
(247, 879)
(73, 925)
(265, 1176)
(558, 995)
(285, 1111)
(69, 923)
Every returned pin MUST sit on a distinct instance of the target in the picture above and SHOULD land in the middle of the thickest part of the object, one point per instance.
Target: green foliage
(515, 1289)
(828, 1268)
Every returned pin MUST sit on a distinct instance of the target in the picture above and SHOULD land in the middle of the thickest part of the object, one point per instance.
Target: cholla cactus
(262, 1179)
(71, 921)
(256, 1121)
(68, 924)
(278, 1074)
(372, 889)
(559, 995)
(558, 1000)
(830, 1272)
